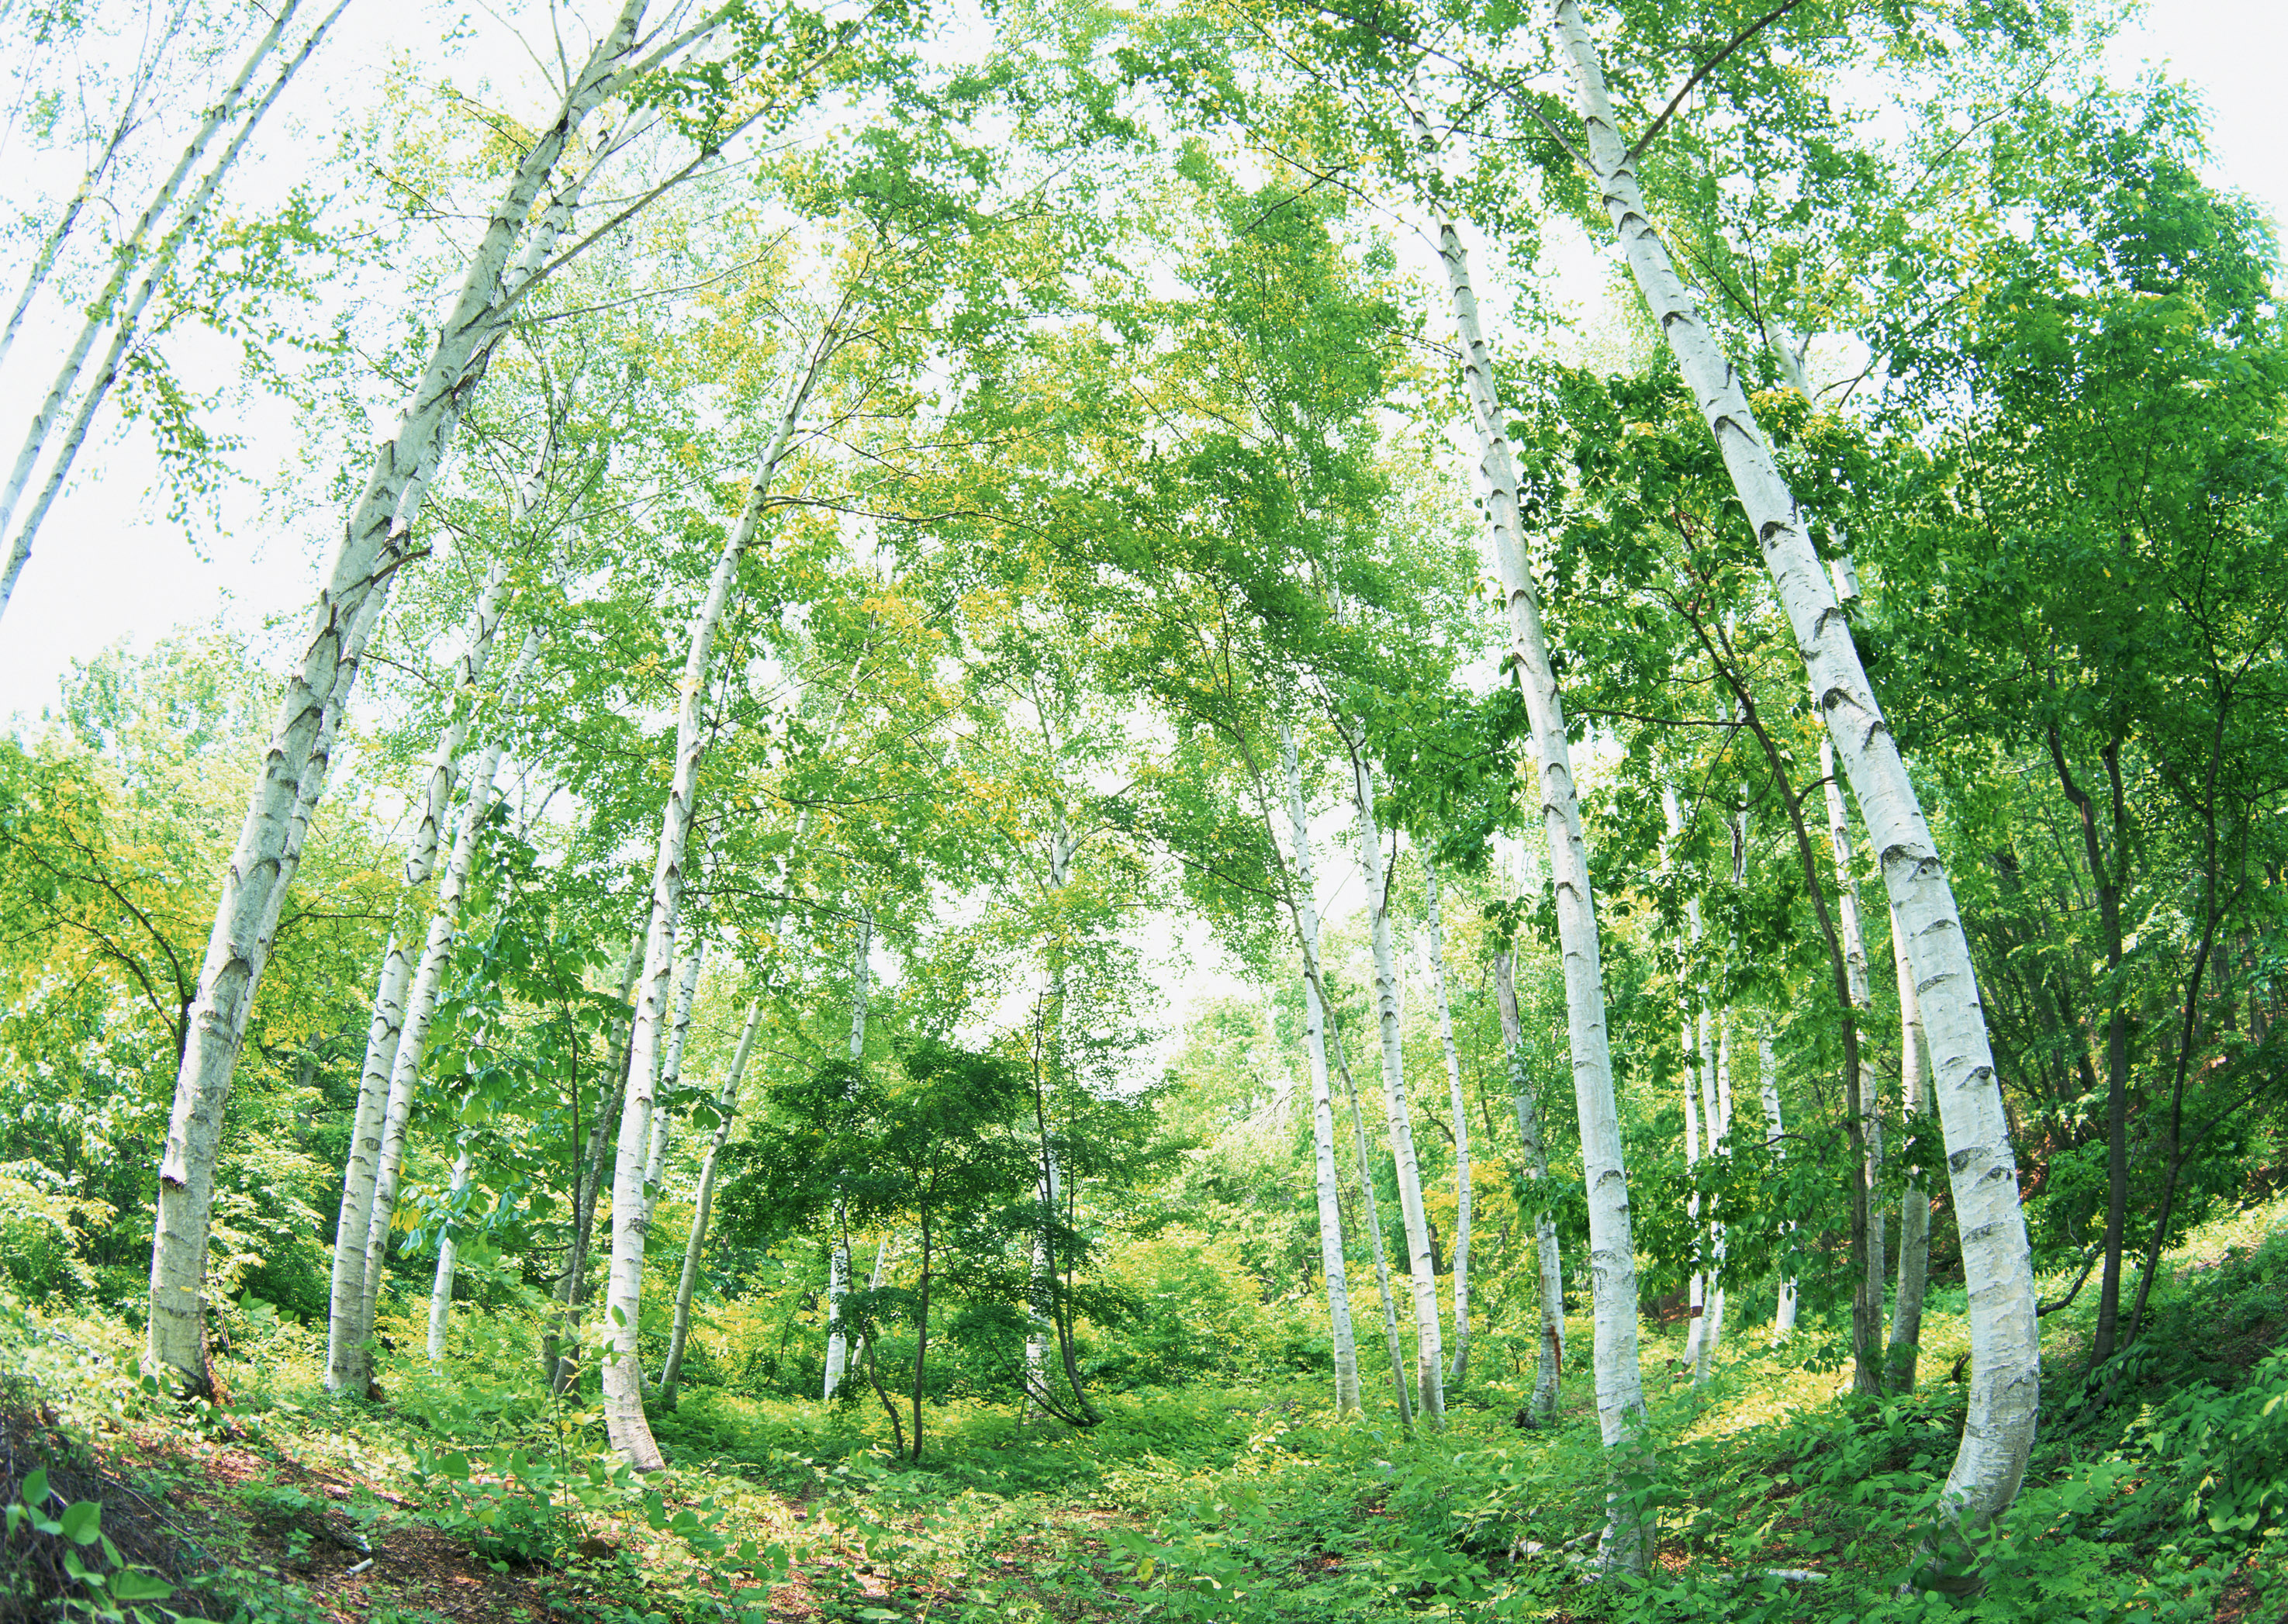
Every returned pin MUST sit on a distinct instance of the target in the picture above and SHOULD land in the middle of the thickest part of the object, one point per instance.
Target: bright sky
(109, 568)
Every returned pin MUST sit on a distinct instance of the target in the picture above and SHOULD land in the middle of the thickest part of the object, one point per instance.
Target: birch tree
(838, 1275)
(727, 1106)
(377, 540)
(1435, 947)
(1998, 1432)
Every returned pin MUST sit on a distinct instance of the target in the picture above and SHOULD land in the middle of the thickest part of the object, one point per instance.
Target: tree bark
(727, 1106)
(623, 1384)
(441, 1290)
(349, 1364)
(421, 1005)
(2006, 1376)
(1429, 1356)
(375, 542)
(1900, 1358)
(838, 1276)
(1775, 1134)
(1461, 1105)
(1549, 1363)
(1867, 1373)
(1621, 1412)
(1332, 1263)
(1398, 1382)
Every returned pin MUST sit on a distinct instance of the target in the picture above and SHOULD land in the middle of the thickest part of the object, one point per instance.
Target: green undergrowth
(2159, 1489)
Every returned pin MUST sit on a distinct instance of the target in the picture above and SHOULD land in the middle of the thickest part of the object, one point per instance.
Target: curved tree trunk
(1429, 1356)
(375, 543)
(1461, 1107)
(2006, 1374)
(349, 1365)
(623, 1383)
(1621, 1412)
(1331, 1260)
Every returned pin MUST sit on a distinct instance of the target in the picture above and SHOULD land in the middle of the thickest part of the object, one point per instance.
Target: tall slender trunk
(1429, 1356)
(1549, 1364)
(670, 1077)
(421, 1005)
(727, 1106)
(441, 1290)
(1914, 1204)
(1712, 1300)
(838, 1275)
(246, 925)
(1859, 1089)
(122, 308)
(558, 1367)
(2006, 1375)
(623, 1384)
(1461, 1105)
(1621, 1413)
(1331, 1260)
(375, 542)
(1695, 1333)
(349, 1365)
(1399, 1385)
(1775, 1134)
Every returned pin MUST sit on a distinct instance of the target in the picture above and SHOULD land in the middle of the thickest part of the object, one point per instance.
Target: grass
(1247, 1503)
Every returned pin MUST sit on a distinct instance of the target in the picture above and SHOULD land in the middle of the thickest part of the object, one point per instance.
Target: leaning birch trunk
(125, 321)
(670, 1077)
(727, 1106)
(1905, 1346)
(560, 1367)
(1331, 1262)
(1397, 1351)
(1621, 1413)
(441, 1290)
(2006, 1372)
(376, 541)
(623, 1414)
(349, 1363)
(421, 1002)
(1549, 1365)
(1429, 1356)
(246, 925)
(1461, 1107)
(1716, 1115)
(1867, 1375)
(1774, 1135)
(838, 1272)
(115, 306)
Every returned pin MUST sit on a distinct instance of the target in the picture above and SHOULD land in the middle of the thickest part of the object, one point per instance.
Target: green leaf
(83, 1522)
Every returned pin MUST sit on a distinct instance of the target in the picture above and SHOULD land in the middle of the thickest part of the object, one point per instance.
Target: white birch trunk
(1718, 1116)
(1774, 1133)
(670, 1077)
(1905, 1345)
(2006, 1375)
(1429, 1355)
(348, 1360)
(1621, 1412)
(125, 323)
(1397, 1353)
(441, 1290)
(421, 1003)
(1331, 1260)
(623, 1384)
(133, 260)
(1862, 1000)
(375, 543)
(1695, 1333)
(837, 1272)
(1461, 1107)
(1549, 1364)
(727, 1106)
(254, 896)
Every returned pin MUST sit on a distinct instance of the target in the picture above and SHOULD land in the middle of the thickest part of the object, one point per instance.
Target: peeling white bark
(441, 1290)
(1435, 949)
(727, 1106)
(2006, 1376)
(1775, 1132)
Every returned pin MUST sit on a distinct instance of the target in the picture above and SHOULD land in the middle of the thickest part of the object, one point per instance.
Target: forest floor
(472, 1497)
